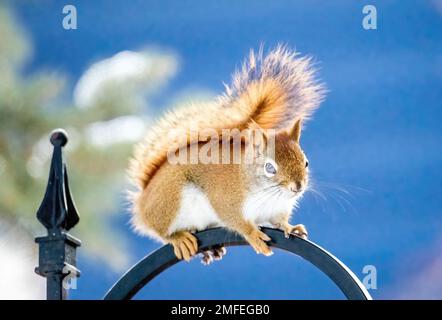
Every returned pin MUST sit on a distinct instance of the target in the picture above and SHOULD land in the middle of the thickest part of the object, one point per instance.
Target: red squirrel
(272, 94)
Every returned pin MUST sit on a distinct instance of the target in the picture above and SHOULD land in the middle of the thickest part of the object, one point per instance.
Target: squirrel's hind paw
(185, 245)
(213, 254)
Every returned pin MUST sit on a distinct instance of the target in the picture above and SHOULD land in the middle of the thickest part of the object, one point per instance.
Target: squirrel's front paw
(257, 240)
(297, 230)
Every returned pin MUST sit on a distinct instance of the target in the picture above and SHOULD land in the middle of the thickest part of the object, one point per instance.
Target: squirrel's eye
(270, 169)
(306, 163)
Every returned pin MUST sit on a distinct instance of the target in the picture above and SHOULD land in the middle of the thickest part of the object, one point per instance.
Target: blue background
(374, 145)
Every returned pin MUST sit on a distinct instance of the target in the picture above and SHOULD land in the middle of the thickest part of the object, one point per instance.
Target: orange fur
(270, 92)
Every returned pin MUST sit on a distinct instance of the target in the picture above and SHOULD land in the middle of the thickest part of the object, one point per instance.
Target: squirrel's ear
(295, 131)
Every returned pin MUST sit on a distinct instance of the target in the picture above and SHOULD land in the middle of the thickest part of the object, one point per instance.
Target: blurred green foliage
(31, 106)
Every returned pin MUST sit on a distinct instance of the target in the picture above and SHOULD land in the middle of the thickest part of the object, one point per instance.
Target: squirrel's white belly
(196, 212)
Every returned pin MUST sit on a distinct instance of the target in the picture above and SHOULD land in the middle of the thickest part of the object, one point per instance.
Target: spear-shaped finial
(57, 211)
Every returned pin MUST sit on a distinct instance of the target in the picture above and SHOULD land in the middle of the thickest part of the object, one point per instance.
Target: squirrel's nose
(295, 186)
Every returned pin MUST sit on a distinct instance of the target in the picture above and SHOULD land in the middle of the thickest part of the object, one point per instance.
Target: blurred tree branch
(30, 107)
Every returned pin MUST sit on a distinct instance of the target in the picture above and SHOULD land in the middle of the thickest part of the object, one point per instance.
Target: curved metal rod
(163, 258)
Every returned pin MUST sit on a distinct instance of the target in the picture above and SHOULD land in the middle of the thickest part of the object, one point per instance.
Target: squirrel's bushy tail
(270, 91)
(275, 89)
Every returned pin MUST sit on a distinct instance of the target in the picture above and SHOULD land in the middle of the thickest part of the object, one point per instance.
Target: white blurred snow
(18, 258)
